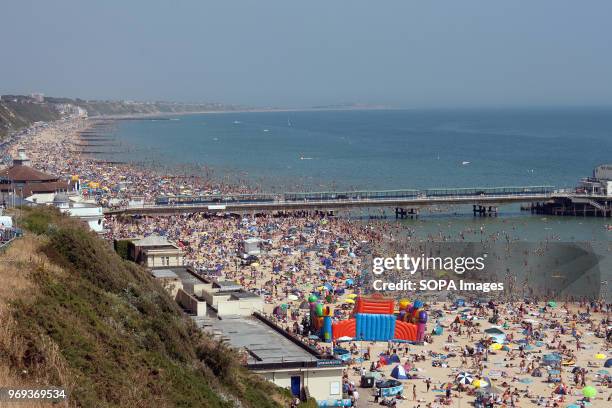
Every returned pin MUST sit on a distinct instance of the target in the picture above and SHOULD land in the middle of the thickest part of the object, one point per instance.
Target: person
(414, 394)
(428, 382)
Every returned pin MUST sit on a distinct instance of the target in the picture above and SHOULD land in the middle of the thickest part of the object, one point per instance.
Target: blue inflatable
(375, 327)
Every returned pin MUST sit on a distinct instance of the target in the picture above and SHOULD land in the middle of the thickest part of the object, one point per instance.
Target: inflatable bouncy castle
(372, 319)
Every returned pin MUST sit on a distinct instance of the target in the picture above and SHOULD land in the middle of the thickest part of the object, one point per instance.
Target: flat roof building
(278, 356)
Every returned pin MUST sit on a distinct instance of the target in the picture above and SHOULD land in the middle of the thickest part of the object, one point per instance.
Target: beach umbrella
(349, 282)
(552, 303)
(600, 356)
(496, 346)
(589, 391)
(349, 301)
(572, 406)
(464, 378)
(399, 373)
(480, 383)
(351, 296)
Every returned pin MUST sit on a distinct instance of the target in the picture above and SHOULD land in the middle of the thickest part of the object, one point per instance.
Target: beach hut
(399, 373)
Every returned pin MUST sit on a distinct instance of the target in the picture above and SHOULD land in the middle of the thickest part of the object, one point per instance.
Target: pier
(406, 203)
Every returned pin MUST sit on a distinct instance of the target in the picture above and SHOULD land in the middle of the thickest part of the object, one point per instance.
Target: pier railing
(345, 199)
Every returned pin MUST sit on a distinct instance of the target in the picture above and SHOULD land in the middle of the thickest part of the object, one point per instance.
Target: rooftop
(265, 345)
(154, 241)
(164, 273)
(227, 286)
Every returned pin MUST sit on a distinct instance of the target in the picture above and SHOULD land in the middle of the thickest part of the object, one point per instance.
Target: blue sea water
(393, 149)
(381, 149)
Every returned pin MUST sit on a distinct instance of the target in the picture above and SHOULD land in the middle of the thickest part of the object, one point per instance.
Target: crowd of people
(302, 254)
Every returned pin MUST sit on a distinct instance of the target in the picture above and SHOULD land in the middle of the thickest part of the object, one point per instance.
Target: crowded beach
(482, 352)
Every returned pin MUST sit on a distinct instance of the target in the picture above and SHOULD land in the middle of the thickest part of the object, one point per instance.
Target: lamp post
(20, 186)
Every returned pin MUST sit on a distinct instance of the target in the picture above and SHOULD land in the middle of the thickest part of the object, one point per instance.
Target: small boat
(305, 158)
(266, 130)
(237, 122)
(465, 163)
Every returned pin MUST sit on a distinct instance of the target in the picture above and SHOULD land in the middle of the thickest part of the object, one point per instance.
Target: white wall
(242, 307)
(318, 380)
(189, 302)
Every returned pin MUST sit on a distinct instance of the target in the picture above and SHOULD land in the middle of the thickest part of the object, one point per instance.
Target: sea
(335, 150)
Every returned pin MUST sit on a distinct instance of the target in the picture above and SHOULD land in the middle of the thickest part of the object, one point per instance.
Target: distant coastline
(159, 115)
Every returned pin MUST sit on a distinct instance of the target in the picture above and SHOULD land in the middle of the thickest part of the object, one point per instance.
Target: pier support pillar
(400, 213)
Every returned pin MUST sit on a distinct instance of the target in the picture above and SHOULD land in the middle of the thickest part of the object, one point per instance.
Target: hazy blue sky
(410, 53)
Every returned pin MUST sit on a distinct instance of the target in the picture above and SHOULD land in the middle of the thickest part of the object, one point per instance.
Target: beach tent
(498, 335)
(608, 363)
(399, 373)
(394, 358)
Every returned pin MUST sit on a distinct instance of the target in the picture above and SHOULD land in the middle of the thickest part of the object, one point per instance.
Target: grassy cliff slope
(74, 314)
(16, 115)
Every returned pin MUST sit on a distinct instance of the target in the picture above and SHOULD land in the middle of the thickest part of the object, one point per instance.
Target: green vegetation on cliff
(76, 315)
(17, 115)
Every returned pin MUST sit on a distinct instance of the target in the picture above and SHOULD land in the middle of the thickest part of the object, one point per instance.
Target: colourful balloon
(422, 316)
(404, 303)
(319, 309)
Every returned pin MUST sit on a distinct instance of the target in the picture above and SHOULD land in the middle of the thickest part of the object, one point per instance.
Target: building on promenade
(20, 180)
(155, 251)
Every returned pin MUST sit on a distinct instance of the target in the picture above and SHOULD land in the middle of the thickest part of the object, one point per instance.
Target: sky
(282, 53)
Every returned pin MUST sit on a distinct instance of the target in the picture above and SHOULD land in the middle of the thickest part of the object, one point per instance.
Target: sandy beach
(293, 266)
